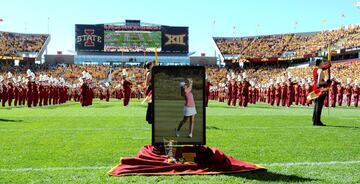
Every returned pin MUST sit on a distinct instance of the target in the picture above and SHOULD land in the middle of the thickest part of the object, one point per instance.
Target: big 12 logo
(175, 39)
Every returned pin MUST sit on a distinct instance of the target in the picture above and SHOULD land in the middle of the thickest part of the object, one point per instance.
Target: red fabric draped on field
(153, 161)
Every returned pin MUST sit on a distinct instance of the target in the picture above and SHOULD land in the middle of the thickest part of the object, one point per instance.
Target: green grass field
(150, 39)
(70, 144)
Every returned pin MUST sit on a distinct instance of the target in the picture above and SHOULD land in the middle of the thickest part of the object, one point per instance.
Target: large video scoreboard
(131, 38)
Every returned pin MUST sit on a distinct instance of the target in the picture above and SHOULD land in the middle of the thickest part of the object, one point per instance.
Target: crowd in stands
(293, 44)
(263, 74)
(13, 43)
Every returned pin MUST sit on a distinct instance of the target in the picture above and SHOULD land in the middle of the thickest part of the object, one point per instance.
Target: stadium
(137, 102)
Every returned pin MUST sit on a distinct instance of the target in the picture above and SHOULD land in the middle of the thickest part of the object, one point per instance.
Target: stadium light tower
(296, 23)
(324, 21)
(48, 32)
(213, 33)
(234, 45)
(343, 19)
(48, 25)
(25, 27)
(213, 27)
(257, 28)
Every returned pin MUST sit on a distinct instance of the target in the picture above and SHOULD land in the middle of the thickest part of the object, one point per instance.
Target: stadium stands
(12, 44)
(290, 45)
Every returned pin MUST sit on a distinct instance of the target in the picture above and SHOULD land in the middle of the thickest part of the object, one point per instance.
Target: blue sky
(250, 17)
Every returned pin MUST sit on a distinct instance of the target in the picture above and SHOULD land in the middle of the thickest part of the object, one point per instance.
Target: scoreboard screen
(131, 38)
(132, 41)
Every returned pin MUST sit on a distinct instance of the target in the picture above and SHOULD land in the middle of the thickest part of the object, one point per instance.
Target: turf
(71, 136)
(150, 39)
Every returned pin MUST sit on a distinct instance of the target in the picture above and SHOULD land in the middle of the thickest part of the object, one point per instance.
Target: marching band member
(283, 91)
(17, 91)
(29, 95)
(333, 91)
(234, 88)
(239, 92)
(10, 89)
(340, 93)
(107, 91)
(356, 92)
(319, 82)
(289, 91)
(278, 91)
(84, 91)
(229, 89)
(127, 89)
(296, 91)
(4, 93)
(245, 91)
(348, 90)
(148, 92)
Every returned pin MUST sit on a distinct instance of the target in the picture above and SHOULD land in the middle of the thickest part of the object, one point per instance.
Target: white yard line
(56, 169)
(109, 167)
(116, 129)
(313, 163)
(70, 129)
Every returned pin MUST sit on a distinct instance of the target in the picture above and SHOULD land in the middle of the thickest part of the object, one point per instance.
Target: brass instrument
(313, 95)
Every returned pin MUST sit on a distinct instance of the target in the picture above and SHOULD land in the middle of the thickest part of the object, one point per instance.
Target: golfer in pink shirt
(189, 107)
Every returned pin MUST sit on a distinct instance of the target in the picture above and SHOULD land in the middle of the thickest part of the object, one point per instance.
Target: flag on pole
(156, 57)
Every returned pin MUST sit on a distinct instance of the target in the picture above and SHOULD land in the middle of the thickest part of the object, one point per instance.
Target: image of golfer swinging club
(189, 107)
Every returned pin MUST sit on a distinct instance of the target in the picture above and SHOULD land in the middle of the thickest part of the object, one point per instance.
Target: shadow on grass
(340, 126)
(212, 127)
(103, 106)
(10, 120)
(272, 177)
(58, 106)
(6, 108)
